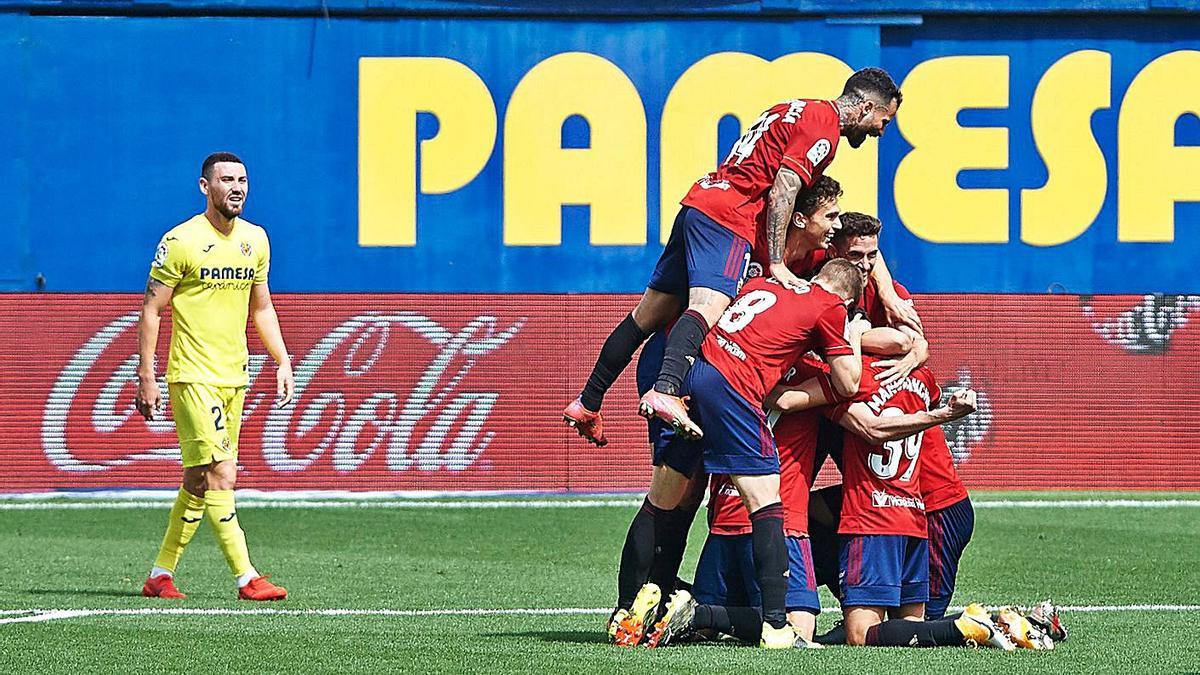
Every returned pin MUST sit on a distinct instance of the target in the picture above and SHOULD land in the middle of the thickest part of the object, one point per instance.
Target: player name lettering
(881, 499)
(348, 406)
(881, 397)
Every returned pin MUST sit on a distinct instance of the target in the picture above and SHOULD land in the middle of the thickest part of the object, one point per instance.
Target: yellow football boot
(676, 621)
(632, 628)
(614, 619)
(1023, 633)
(976, 626)
(777, 638)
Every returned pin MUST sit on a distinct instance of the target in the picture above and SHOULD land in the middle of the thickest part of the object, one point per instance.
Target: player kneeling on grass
(721, 582)
(212, 270)
(884, 548)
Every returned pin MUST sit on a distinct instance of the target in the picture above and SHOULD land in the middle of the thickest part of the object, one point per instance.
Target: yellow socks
(231, 539)
(181, 527)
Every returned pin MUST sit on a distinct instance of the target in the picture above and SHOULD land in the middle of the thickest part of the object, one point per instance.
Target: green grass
(377, 558)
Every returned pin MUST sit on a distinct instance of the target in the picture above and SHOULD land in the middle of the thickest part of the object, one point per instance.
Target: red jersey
(940, 484)
(882, 483)
(873, 306)
(796, 438)
(726, 513)
(767, 328)
(799, 134)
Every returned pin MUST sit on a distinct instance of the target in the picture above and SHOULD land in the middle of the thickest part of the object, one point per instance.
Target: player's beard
(856, 139)
(230, 210)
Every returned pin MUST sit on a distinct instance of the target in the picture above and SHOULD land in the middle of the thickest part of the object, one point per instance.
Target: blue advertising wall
(494, 152)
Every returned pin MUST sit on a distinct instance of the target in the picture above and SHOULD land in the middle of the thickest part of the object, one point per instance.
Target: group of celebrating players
(775, 337)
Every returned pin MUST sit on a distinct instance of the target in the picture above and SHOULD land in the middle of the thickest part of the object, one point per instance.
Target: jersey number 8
(741, 313)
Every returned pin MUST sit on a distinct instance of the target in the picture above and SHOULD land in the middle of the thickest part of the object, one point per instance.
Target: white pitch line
(548, 504)
(41, 615)
(1084, 503)
(307, 504)
(49, 616)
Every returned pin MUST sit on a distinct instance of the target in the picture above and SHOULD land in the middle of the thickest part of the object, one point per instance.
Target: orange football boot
(261, 589)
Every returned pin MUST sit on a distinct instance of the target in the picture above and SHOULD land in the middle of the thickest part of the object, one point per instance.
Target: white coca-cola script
(386, 420)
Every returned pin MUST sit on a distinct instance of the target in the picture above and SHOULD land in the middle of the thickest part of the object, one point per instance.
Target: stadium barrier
(463, 392)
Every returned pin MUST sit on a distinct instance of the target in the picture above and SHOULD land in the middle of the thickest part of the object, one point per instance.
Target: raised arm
(797, 397)
(781, 203)
(898, 311)
(845, 371)
(149, 396)
(860, 420)
(886, 341)
(914, 358)
(266, 322)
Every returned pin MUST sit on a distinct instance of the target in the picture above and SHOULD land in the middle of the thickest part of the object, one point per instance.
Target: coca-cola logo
(965, 433)
(390, 384)
(1145, 328)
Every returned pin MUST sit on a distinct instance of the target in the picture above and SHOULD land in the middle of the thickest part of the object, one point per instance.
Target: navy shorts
(701, 253)
(725, 574)
(950, 531)
(737, 440)
(884, 570)
(666, 450)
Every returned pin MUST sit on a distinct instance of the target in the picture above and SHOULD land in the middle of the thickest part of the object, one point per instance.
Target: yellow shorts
(208, 420)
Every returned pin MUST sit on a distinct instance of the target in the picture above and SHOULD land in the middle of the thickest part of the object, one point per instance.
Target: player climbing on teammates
(705, 259)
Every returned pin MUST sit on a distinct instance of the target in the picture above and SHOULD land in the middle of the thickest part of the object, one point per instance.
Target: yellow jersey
(212, 274)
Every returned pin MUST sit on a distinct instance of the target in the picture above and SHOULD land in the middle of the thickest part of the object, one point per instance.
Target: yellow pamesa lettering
(744, 85)
(391, 92)
(1074, 88)
(1152, 172)
(928, 199)
(540, 176)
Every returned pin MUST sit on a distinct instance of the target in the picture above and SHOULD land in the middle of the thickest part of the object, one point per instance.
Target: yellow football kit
(207, 375)
(207, 369)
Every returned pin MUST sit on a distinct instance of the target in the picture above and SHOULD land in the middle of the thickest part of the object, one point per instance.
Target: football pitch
(524, 585)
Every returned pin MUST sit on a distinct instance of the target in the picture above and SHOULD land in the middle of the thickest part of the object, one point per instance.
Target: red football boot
(589, 424)
(672, 410)
(261, 589)
(161, 587)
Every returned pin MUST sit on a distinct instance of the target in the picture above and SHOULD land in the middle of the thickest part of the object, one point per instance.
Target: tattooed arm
(149, 397)
(781, 202)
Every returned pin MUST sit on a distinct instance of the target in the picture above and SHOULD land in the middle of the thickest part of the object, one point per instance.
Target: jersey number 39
(887, 464)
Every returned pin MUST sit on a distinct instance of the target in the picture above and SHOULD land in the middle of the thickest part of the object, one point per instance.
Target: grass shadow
(580, 637)
(95, 592)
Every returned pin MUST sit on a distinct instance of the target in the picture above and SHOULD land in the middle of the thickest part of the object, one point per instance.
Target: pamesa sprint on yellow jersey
(212, 274)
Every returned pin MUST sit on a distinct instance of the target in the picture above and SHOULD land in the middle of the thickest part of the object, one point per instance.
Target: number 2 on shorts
(218, 422)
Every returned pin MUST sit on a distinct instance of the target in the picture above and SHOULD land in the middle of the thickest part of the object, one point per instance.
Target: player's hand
(897, 369)
(962, 403)
(149, 397)
(784, 276)
(859, 327)
(285, 384)
(902, 313)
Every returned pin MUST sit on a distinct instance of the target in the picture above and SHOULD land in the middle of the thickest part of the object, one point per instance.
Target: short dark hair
(206, 167)
(844, 278)
(855, 224)
(812, 197)
(872, 83)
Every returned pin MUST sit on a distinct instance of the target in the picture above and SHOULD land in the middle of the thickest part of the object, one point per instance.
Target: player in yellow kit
(212, 270)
